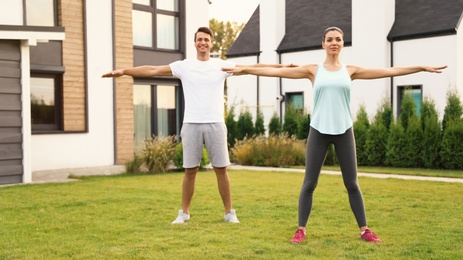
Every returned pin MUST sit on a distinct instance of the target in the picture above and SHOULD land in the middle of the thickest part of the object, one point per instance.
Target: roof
(248, 41)
(424, 18)
(306, 21)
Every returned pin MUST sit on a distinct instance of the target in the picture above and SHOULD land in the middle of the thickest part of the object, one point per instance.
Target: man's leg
(223, 182)
(188, 188)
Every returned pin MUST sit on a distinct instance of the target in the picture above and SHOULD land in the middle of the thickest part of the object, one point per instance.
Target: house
(380, 33)
(56, 111)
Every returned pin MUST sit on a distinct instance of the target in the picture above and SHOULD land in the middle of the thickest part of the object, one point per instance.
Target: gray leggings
(317, 146)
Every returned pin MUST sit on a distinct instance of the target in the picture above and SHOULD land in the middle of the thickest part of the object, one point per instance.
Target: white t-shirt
(203, 88)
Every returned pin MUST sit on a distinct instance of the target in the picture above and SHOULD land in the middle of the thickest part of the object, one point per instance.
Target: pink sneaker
(299, 236)
(370, 236)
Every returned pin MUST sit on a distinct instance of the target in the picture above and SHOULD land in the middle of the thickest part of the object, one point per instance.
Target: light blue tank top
(331, 113)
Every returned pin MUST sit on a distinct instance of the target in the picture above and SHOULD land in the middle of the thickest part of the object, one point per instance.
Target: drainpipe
(281, 97)
(392, 78)
(258, 88)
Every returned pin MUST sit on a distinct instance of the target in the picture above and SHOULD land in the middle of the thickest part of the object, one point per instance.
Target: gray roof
(425, 18)
(306, 21)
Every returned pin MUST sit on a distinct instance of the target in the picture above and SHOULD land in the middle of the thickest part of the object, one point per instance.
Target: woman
(332, 122)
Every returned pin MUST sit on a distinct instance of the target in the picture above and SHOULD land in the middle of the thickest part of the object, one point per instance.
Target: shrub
(375, 145)
(158, 152)
(331, 158)
(291, 122)
(413, 138)
(178, 157)
(232, 127)
(259, 124)
(395, 146)
(453, 110)
(303, 126)
(408, 109)
(274, 127)
(361, 126)
(245, 125)
(275, 151)
(451, 152)
(431, 134)
(134, 165)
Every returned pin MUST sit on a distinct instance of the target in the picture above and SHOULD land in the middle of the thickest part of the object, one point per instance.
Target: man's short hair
(205, 30)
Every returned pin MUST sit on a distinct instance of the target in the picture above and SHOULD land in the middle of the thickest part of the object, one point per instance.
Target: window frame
(400, 91)
(154, 12)
(58, 80)
(287, 98)
(55, 13)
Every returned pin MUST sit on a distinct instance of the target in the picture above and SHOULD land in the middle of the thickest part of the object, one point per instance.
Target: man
(203, 87)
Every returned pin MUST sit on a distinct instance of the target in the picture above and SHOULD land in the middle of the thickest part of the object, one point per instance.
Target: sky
(232, 10)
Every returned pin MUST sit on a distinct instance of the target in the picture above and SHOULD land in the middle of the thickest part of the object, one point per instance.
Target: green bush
(453, 110)
(273, 151)
(158, 152)
(291, 122)
(413, 144)
(408, 109)
(395, 145)
(245, 125)
(303, 126)
(274, 127)
(431, 134)
(375, 145)
(361, 126)
(178, 157)
(259, 124)
(331, 159)
(232, 127)
(451, 152)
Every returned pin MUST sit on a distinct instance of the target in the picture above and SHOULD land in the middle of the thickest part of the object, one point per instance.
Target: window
(156, 24)
(40, 12)
(296, 100)
(417, 95)
(156, 112)
(45, 102)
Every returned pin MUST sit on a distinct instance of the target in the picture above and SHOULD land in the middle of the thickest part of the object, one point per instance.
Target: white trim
(26, 110)
(31, 36)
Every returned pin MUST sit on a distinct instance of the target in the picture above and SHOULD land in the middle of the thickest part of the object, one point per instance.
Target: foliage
(451, 152)
(331, 157)
(384, 113)
(225, 34)
(453, 110)
(259, 124)
(361, 126)
(395, 145)
(245, 125)
(431, 134)
(291, 122)
(232, 127)
(375, 145)
(178, 157)
(303, 127)
(158, 152)
(413, 143)
(408, 109)
(276, 151)
(134, 165)
(274, 127)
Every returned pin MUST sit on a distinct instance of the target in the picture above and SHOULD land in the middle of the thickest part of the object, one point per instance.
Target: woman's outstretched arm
(376, 73)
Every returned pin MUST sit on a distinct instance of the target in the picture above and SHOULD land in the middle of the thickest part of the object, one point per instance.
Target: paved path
(374, 175)
(62, 175)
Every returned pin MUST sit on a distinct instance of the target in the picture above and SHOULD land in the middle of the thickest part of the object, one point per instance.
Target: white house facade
(380, 33)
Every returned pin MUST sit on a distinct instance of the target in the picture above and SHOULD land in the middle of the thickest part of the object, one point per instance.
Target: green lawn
(128, 217)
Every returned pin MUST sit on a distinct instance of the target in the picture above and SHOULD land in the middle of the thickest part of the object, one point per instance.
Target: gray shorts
(213, 135)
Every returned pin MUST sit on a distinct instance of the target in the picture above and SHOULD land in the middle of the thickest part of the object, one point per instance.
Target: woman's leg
(347, 157)
(317, 145)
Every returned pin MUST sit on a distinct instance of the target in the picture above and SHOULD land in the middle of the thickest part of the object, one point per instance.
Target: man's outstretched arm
(141, 71)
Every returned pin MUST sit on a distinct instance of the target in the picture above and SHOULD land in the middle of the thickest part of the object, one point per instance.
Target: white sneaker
(181, 218)
(231, 217)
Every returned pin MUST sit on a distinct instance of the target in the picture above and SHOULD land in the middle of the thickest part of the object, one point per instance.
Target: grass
(404, 171)
(128, 217)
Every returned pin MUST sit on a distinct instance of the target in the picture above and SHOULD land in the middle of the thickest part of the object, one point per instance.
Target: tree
(225, 34)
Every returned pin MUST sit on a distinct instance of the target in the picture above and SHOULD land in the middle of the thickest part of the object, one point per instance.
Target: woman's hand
(113, 74)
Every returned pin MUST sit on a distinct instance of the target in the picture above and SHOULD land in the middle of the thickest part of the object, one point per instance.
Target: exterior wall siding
(11, 153)
(124, 85)
(74, 89)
